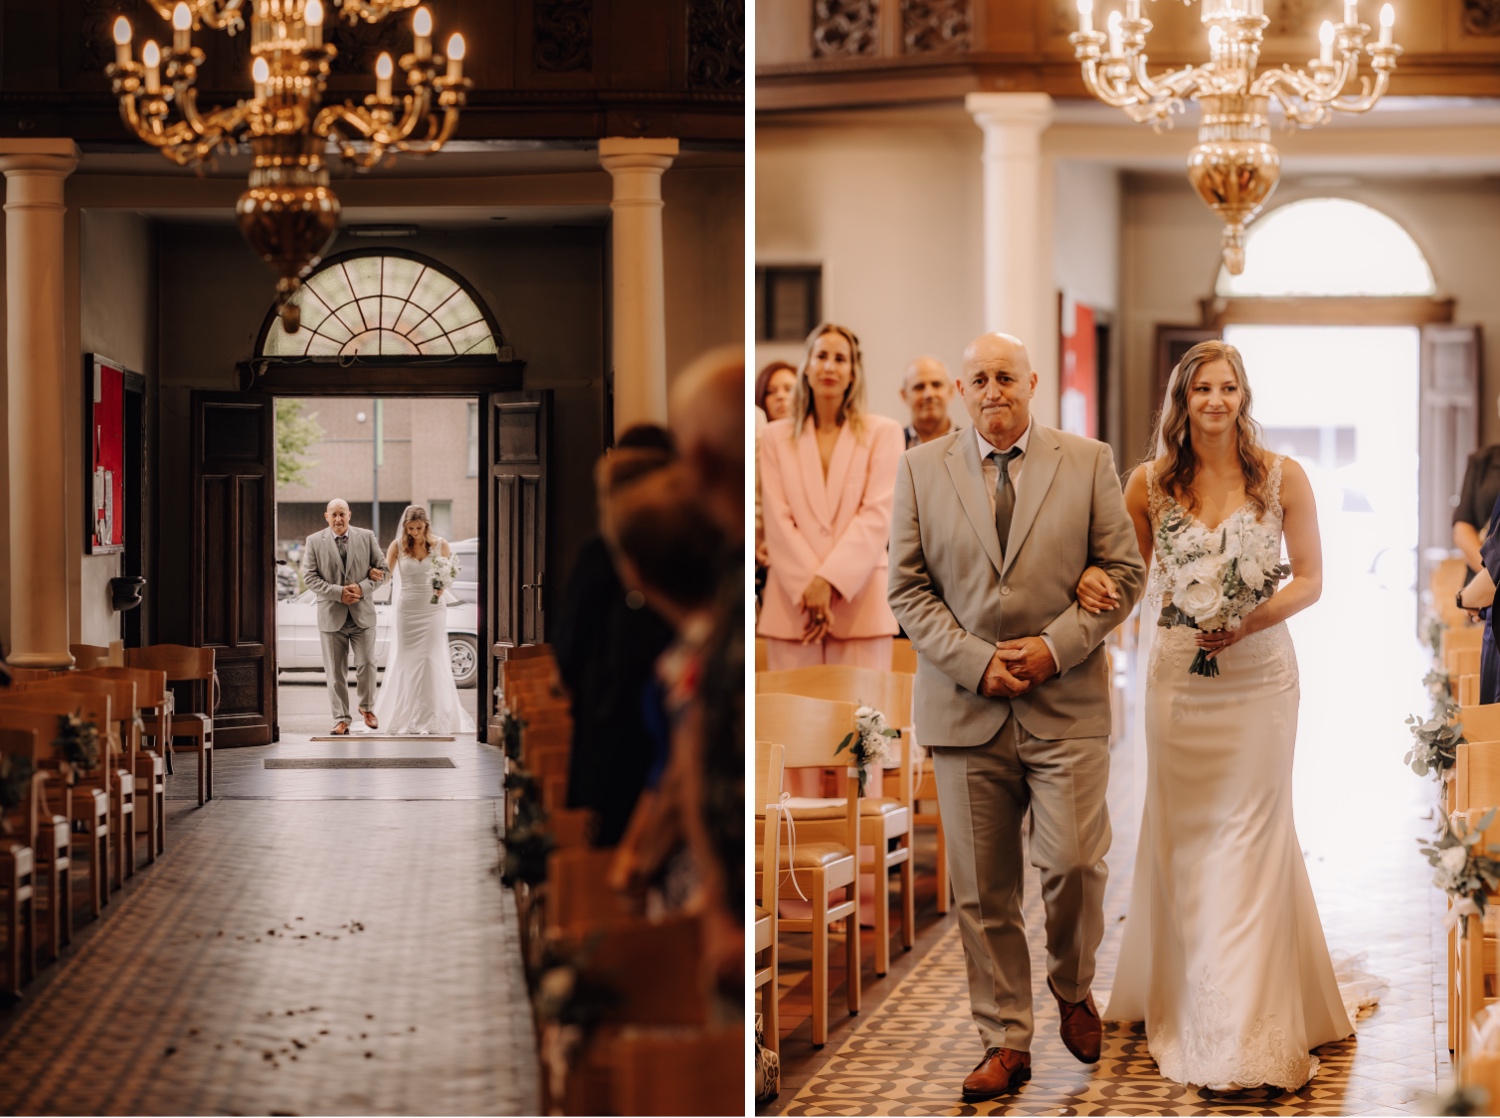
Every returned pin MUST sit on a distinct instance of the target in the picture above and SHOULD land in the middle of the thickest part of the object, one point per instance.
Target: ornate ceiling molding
(716, 44)
(845, 28)
(935, 26)
(563, 35)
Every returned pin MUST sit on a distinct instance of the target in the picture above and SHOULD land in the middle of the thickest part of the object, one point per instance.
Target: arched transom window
(383, 305)
(1329, 246)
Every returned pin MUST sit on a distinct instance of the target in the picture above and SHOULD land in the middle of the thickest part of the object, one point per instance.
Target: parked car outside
(299, 648)
(466, 585)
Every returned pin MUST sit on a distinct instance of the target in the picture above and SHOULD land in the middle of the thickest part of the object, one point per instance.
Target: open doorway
(380, 455)
(1344, 402)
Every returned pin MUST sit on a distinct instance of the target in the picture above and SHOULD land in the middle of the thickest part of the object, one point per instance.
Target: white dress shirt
(1017, 471)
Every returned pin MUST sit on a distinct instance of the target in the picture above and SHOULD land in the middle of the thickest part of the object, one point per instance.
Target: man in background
(926, 389)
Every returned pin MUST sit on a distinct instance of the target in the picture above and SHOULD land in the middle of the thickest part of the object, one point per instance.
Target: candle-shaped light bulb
(182, 28)
(384, 68)
(455, 57)
(1085, 16)
(122, 41)
(1387, 21)
(312, 18)
(1133, 9)
(421, 26)
(260, 70)
(1116, 47)
(151, 56)
(1325, 38)
(1215, 40)
(1351, 12)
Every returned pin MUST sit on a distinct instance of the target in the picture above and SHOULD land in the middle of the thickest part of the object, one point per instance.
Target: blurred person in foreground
(606, 639)
(706, 773)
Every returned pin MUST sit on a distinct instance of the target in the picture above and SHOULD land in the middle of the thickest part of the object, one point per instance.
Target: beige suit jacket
(956, 597)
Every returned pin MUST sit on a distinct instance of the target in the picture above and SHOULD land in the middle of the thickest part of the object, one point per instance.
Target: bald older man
(341, 565)
(927, 390)
(991, 530)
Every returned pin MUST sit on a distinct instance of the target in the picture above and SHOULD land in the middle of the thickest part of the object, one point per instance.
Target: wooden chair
(96, 656)
(903, 656)
(762, 655)
(29, 734)
(809, 730)
(885, 821)
(1481, 723)
(571, 828)
(148, 765)
(767, 807)
(123, 746)
(1477, 952)
(18, 866)
(1468, 690)
(193, 667)
(1460, 662)
(88, 799)
(702, 1073)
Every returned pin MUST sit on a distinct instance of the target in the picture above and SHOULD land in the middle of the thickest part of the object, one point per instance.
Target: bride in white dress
(1223, 954)
(418, 695)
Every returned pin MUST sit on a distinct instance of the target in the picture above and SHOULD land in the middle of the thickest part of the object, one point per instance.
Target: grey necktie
(1005, 493)
(343, 542)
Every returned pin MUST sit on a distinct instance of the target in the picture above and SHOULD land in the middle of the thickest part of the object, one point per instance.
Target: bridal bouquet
(1215, 578)
(444, 571)
(869, 743)
(1462, 869)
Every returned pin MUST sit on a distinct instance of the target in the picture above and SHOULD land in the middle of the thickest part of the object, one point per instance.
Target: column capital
(54, 156)
(1012, 110)
(619, 153)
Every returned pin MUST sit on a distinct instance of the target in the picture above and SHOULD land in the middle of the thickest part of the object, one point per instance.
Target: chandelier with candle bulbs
(289, 215)
(1234, 167)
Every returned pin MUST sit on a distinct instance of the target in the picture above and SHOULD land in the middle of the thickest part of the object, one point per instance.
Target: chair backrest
(150, 686)
(25, 675)
(658, 969)
(1461, 662)
(1476, 776)
(768, 785)
(809, 729)
(121, 692)
(1481, 723)
(762, 654)
(903, 656)
(701, 1073)
(89, 655)
(580, 897)
(1468, 690)
(181, 662)
(846, 684)
(1471, 637)
(40, 710)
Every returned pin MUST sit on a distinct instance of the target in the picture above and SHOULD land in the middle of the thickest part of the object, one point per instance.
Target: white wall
(890, 206)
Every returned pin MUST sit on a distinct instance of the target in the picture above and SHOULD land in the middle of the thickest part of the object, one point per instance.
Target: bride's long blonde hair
(406, 539)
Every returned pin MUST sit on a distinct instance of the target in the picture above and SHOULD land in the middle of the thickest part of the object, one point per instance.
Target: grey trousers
(983, 793)
(336, 648)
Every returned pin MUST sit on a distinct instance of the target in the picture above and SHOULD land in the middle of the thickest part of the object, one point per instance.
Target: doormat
(359, 763)
(365, 736)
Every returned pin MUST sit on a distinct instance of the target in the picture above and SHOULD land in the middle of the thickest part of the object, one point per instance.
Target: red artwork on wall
(106, 485)
(1079, 382)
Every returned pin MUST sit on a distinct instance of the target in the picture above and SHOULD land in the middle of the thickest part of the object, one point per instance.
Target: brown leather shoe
(340, 728)
(1001, 1071)
(1081, 1029)
(369, 716)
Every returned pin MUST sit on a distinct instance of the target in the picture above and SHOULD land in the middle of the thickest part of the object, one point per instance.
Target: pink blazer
(839, 528)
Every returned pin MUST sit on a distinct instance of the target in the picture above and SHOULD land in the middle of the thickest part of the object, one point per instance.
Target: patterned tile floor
(313, 942)
(1358, 812)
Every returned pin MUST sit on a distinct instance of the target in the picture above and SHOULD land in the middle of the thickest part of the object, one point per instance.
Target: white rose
(1233, 545)
(1192, 539)
(1454, 858)
(1209, 569)
(1202, 601)
(1252, 573)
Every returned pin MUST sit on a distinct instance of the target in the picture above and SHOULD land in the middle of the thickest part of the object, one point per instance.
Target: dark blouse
(1481, 488)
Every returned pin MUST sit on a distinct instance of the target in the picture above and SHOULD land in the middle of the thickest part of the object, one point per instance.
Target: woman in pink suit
(828, 475)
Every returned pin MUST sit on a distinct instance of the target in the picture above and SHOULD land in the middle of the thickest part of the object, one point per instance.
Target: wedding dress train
(418, 695)
(1223, 954)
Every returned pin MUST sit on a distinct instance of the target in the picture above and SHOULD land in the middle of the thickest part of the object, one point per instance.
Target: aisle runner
(913, 1052)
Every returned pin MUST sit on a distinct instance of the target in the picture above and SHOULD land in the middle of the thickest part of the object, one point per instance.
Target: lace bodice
(1240, 535)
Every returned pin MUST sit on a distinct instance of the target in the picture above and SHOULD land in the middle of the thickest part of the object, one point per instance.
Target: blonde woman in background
(828, 475)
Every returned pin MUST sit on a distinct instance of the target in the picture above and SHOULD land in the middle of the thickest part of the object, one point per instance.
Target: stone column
(1019, 291)
(38, 374)
(639, 315)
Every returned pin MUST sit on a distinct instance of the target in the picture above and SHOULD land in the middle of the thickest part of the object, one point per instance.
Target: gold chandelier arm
(436, 136)
(220, 15)
(1370, 92)
(1170, 85)
(373, 11)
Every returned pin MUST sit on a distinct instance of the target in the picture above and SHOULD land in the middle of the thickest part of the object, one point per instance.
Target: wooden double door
(233, 591)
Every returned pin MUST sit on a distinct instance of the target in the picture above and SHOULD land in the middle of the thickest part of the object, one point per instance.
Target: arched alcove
(384, 303)
(1328, 247)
